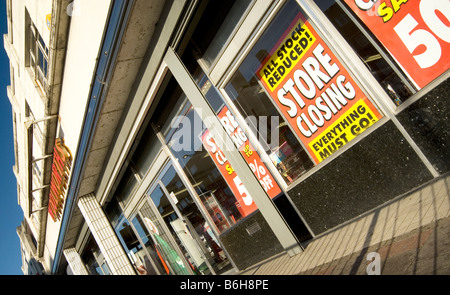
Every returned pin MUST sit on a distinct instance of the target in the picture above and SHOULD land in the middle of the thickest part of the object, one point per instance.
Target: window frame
(246, 16)
(342, 50)
(244, 37)
(276, 222)
(247, 36)
(38, 48)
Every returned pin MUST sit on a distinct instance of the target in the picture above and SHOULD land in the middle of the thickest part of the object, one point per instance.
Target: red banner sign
(314, 91)
(244, 203)
(62, 161)
(415, 32)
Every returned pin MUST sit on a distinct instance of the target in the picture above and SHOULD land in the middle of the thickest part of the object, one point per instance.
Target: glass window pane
(146, 151)
(162, 204)
(244, 89)
(149, 244)
(134, 249)
(128, 239)
(43, 63)
(126, 186)
(396, 85)
(218, 21)
(200, 237)
(182, 132)
(105, 269)
(91, 257)
(164, 247)
(42, 45)
(33, 44)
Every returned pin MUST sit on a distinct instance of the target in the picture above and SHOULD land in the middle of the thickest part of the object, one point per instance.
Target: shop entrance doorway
(192, 246)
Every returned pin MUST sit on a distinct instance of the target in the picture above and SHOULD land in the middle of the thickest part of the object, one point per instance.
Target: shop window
(149, 244)
(127, 185)
(93, 259)
(182, 216)
(245, 90)
(271, 130)
(294, 72)
(145, 151)
(139, 160)
(370, 51)
(161, 246)
(219, 20)
(182, 129)
(135, 251)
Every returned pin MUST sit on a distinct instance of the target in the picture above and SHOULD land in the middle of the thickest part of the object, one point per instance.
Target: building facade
(193, 137)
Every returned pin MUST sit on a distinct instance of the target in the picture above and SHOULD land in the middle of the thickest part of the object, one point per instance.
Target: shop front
(266, 124)
(179, 195)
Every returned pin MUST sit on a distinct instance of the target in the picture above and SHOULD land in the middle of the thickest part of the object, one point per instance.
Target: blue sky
(10, 213)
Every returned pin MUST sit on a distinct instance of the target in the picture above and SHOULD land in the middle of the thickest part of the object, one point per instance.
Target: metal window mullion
(197, 200)
(185, 222)
(191, 190)
(263, 202)
(42, 50)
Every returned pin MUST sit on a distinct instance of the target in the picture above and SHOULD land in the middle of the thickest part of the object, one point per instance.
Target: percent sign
(257, 168)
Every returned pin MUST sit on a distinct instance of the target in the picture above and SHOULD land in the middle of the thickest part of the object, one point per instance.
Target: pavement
(407, 236)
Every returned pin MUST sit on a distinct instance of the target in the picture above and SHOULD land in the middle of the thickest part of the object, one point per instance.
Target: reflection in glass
(251, 100)
(218, 21)
(126, 186)
(150, 244)
(193, 230)
(146, 151)
(164, 248)
(397, 90)
(93, 259)
(128, 239)
(183, 136)
(135, 251)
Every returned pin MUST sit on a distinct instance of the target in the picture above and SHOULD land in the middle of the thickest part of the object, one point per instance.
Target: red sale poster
(415, 32)
(244, 203)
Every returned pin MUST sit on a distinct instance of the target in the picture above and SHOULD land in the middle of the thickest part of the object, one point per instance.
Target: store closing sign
(415, 32)
(244, 203)
(314, 92)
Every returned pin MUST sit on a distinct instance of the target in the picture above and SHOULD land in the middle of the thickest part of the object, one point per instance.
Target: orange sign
(415, 32)
(314, 92)
(244, 203)
(48, 21)
(62, 161)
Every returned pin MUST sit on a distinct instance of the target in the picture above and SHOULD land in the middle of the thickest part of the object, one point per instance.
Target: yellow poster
(353, 122)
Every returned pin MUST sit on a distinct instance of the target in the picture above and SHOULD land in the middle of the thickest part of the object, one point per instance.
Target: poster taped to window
(245, 203)
(415, 32)
(314, 92)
